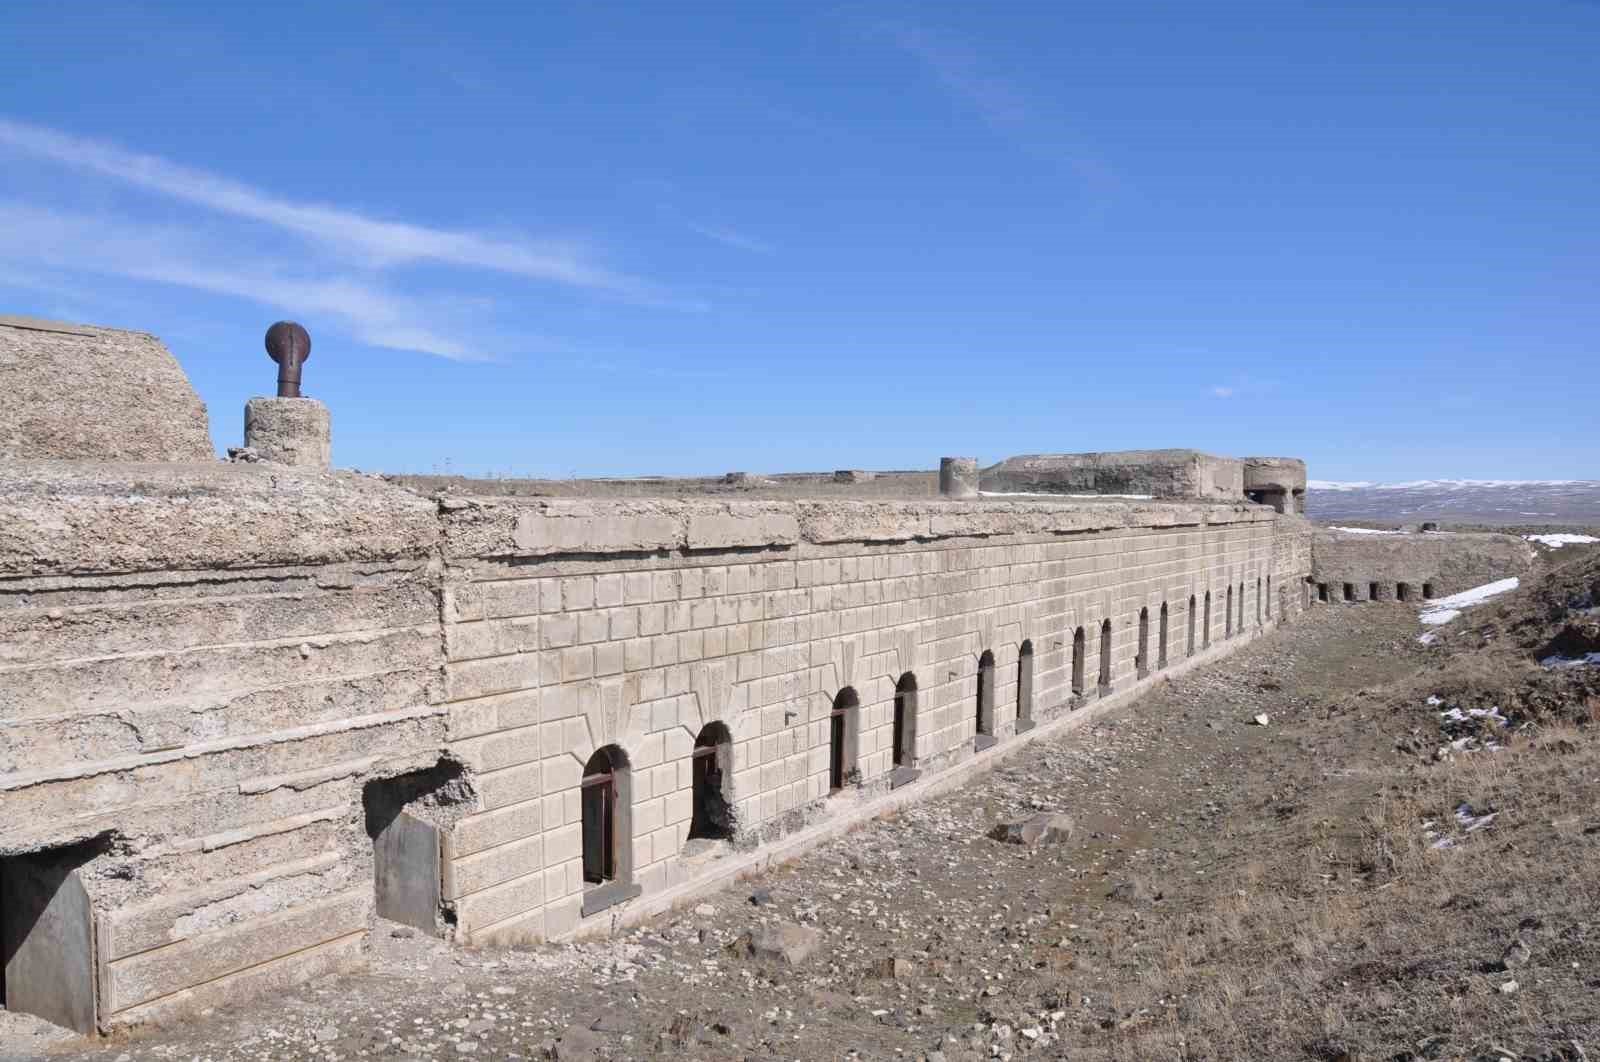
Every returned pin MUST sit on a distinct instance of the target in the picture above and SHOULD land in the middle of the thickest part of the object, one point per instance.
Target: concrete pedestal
(958, 477)
(289, 431)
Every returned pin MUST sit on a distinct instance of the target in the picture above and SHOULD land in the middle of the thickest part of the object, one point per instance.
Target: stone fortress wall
(1354, 565)
(246, 708)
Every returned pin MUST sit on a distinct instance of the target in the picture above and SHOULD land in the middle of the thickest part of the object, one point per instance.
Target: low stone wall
(1388, 566)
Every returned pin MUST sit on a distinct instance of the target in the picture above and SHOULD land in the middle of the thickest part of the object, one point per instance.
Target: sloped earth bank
(1357, 879)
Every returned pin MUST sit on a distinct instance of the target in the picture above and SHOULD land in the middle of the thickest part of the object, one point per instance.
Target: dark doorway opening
(1402, 591)
(711, 770)
(1427, 591)
(1322, 592)
(405, 844)
(47, 935)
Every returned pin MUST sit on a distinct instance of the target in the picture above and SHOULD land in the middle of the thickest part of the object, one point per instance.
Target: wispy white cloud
(1223, 391)
(345, 233)
(370, 312)
(731, 238)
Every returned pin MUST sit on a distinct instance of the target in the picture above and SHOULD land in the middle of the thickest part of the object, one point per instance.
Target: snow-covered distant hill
(1484, 501)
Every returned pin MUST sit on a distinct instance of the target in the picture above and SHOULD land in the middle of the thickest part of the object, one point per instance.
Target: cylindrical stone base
(958, 477)
(289, 431)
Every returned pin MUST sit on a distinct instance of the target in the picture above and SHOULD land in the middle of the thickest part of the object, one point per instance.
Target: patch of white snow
(1445, 609)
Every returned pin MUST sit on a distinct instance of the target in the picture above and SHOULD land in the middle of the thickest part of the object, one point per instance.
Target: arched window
(984, 733)
(1105, 658)
(1141, 662)
(1161, 652)
(1025, 686)
(1241, 608)
(1269, 597)
(1192, 614)
(712, 777)
(603, 806)
(1283, 605)
(842, 724)
(1227, 615)
(1207, 642)
(905, 720)
(1258, 601)
(1079, 651)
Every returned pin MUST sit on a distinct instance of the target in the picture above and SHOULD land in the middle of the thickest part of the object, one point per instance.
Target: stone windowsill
(1025, 725)
(984, 741)
(609, 895)
(903, 776)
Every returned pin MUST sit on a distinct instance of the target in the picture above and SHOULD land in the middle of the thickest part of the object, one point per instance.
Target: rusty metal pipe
(289, 345)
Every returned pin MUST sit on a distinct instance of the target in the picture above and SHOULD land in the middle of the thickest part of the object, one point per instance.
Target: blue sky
(553, 239)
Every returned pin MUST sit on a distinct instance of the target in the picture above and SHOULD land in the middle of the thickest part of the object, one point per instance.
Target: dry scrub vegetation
(1371, 921)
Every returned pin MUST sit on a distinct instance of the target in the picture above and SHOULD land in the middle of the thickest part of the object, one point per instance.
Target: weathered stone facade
(81, 391)
(247, 708)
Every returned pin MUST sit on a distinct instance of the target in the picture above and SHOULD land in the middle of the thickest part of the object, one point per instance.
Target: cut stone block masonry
(248, 708)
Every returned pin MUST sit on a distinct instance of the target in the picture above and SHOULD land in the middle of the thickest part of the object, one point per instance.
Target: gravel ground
(928, 939)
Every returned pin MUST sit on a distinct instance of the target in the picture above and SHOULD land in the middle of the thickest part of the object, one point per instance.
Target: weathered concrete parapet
(289, 431)
(79, 392)
(958, 477)
(1129, 473)
(77, 517)
(1276, 481)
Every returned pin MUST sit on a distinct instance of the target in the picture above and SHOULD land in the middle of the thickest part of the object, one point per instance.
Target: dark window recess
(1105, 656)
(1207, 621)
(1227, 629)
(840, 725)
(711, 762)
(1192, 611)
(1322, 592)
(905, 720)
(1427, 591)
(599, 819)
(1079, 650)
(1141, 662)
(1161, 652)
(1402, 591)
(1025, 683)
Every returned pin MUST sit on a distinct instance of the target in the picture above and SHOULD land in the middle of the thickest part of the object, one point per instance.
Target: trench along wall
(200, 666)
(576, 625)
